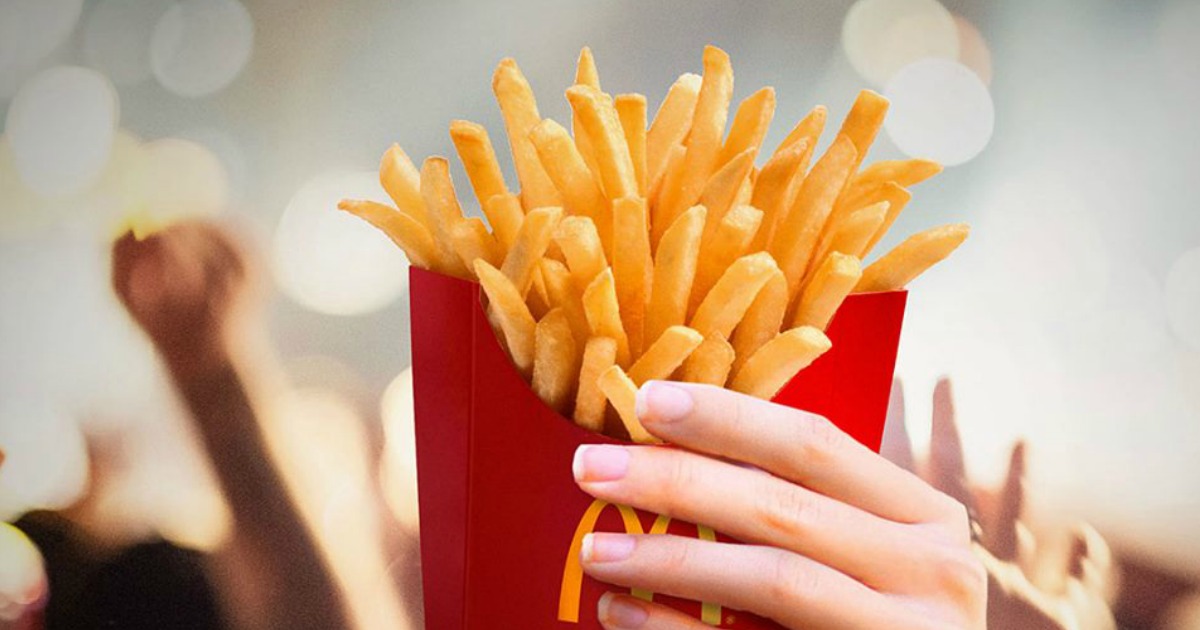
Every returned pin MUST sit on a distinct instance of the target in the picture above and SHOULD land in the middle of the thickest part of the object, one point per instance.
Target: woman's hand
(838, 536)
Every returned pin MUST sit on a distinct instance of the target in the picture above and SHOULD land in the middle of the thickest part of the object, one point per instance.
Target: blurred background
(1069, 132)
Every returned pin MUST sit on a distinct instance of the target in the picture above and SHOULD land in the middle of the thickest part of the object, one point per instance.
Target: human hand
(1028, 588)
(182, 285)
(838, 537)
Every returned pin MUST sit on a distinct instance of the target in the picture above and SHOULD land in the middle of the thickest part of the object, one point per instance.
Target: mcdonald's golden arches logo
(572, 580)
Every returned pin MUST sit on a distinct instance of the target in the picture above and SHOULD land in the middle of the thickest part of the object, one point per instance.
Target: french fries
(710, 363)
(911, 258)
(774, 364)
(634, 252)
(833, 281)
(599, 355)
(622, 393)
(555, 360)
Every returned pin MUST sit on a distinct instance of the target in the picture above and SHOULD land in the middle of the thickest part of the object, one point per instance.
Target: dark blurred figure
(189, 288)
(99, 578)
(1029, 587)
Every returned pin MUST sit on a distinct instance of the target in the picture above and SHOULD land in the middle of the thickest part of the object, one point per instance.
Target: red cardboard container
(501, 516)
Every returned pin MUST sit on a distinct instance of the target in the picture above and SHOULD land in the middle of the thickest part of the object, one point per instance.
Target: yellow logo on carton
(572, 580)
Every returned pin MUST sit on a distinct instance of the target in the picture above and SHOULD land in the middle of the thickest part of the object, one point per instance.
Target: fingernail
(622, 613)
(606, 548)
(599, 462)
(659, 401)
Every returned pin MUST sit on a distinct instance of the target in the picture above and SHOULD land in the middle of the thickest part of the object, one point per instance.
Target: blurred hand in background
(1030, 587)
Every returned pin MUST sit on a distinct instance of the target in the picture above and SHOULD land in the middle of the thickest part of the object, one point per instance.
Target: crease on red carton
(500, 512)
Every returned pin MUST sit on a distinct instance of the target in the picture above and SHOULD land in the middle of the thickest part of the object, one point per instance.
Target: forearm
(304, 593)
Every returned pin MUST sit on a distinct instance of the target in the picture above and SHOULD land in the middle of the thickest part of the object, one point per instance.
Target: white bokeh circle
(399, 463)
(116, 37)
(180, 178)
(331, 262)
(46, 463)
(940, 110)
(882, 36)
(1183, 297)
(29, 31)
(60, 128)
(200, 46)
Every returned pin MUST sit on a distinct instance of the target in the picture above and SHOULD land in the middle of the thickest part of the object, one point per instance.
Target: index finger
(798, 446)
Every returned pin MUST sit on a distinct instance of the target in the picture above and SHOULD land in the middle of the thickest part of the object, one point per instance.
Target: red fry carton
(501, 517)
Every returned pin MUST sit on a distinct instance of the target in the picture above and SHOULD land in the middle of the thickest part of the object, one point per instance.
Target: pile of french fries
(636, 252)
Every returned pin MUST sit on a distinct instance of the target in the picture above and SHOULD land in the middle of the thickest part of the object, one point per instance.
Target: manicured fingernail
(658, 401)
(599, 462)
(606, 548)
(622, 613)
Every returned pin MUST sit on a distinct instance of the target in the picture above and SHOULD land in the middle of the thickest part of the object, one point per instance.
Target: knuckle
(959, 573)
(681, 475)
(791, 583)
(819, 438)
(787, 511)
(677, 558)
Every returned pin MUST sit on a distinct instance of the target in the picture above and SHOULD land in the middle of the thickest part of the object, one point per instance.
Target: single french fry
(665, 355)
(778, 360)
(604, 313)
(671, 124)
(478, 158)
(565, 165)
(505, 215)
(796, 236)
(586, 74)
(632, 266)
(904, 173)
(608, 141)
(763, 320)
(809, 128)
(556, 360)
(911, 258)
(674, 273)
(599, 355)
(750, 124)
(664, 216)
(511, 315)
(849, 235)
(863, 122)
(726, 303)
(520, 111)
(710, 363)
(897, 199)
(771, 188)
(622, 393)
(527, 251)
(723, 187)
(708, 128)
(402, 181)
(729, 241)
(833, 280)
(444, 211)
(631, 108)
(562, 293)
(472, 240)
(580, 243)
(405, 231)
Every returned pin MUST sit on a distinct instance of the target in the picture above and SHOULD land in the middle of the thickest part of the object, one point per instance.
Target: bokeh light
(200, 46)
(1183, 297)
(882, 36)
(116, 37)
(399, 466)
(331, 262)
(940, 110)
(29, 31)
(973, 51)
(180, 178)
(60, 127)
(46, 465)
